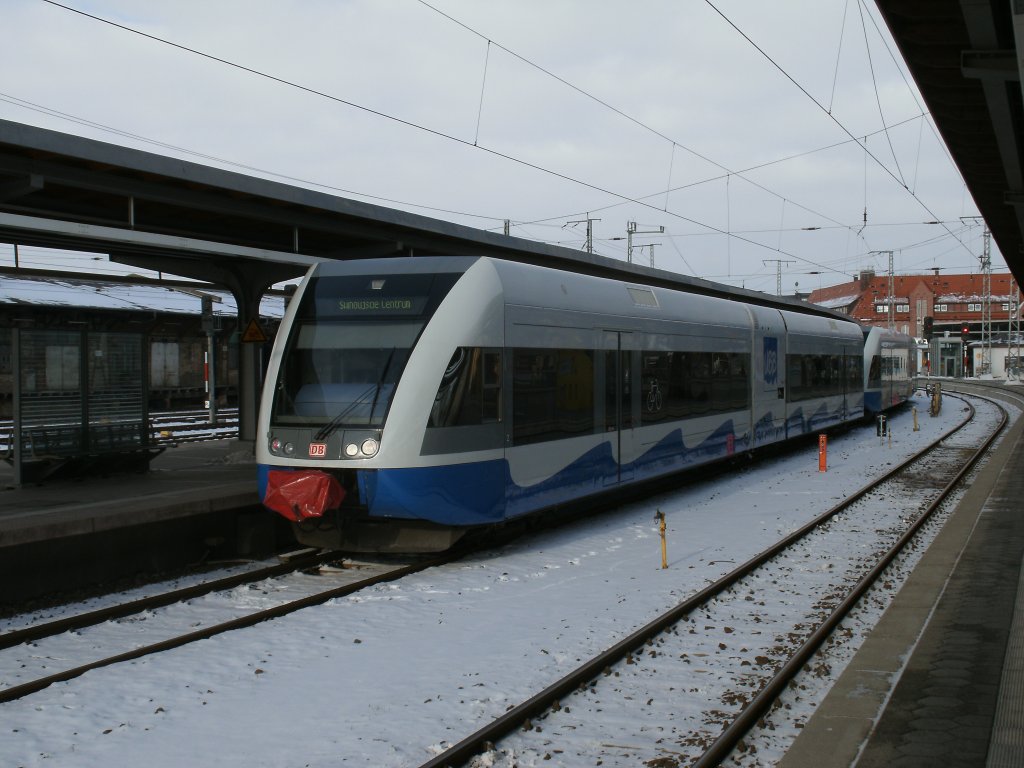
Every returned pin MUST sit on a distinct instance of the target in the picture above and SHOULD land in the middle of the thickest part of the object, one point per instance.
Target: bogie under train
(410, 400)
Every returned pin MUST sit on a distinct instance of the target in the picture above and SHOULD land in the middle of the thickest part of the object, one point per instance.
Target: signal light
(929, 326)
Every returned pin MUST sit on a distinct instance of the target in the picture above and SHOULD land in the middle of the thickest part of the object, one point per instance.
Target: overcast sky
(542, 112)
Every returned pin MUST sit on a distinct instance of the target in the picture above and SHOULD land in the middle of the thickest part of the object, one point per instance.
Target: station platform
(940, 679)
(198, 498)
(183, 480)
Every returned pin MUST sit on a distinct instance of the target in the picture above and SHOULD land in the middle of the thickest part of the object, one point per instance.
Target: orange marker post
(822, 453)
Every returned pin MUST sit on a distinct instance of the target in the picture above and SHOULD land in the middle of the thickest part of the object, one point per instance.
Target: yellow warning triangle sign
(254, 332)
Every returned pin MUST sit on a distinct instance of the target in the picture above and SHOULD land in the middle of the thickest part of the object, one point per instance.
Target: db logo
(317, 450)
(771, 360)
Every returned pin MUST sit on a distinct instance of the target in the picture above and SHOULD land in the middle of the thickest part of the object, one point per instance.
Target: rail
(548, 699)
(767, 696)
(37, 632)
(34, 686)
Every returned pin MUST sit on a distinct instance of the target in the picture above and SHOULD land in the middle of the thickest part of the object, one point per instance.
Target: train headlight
(289, 448)
(351, 450)
(369, 447)
(275, 445)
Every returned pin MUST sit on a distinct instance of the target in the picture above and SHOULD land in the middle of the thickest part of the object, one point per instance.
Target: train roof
(638, 276)
(885, 333)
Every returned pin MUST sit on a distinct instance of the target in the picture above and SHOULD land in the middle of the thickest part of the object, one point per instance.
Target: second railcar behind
(890, 365)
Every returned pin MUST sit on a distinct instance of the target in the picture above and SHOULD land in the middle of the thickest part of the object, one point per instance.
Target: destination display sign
(371, 306)
(373, 297)
(389, 305)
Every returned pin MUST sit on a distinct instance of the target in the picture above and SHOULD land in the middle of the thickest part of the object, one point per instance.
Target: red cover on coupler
(301, 495)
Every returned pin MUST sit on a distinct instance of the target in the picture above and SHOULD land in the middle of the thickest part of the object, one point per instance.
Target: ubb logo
(771, 360)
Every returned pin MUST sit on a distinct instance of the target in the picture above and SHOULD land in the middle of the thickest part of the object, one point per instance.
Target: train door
(619, 420)
(768, 372)
(853, 378)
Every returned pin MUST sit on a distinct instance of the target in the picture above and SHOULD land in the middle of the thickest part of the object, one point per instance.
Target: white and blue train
(890, 364)
(410, 400)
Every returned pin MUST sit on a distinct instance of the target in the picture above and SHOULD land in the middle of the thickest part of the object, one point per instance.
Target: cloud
(626, 99)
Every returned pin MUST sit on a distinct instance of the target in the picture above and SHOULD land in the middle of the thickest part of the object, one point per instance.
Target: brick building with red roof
(953, 301)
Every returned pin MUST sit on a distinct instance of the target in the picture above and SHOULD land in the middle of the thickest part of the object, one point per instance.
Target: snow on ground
(389, 676)
(671, 699)
(153, 626)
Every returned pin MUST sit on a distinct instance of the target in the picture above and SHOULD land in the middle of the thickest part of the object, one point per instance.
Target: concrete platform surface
(188, 479)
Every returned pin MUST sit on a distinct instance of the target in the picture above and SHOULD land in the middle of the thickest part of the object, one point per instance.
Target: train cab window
(344, 372)
(552, 394)
(351, 339)
(470, 390)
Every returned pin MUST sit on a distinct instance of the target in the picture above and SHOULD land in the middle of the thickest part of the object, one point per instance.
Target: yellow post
(660, 517)
(823, 453)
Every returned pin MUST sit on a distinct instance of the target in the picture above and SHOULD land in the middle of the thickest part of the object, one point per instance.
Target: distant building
(954, 302)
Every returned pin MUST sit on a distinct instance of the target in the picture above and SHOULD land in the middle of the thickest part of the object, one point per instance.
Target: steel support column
(247, 280)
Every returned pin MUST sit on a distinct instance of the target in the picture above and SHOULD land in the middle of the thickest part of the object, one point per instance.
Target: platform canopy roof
(965, 56)
(64, 191)
(57, 290)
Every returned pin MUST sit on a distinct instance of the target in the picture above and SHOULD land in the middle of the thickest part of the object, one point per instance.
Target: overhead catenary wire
(878, 100)
(820, 106)
(378, 113)
(483, 87)
(913, 94)
(674, 143)
(25, 104)
(475, 142)
(622, 198)
(654, 131)
(743, 174)
(409, 123)
(791, 79)
(839, 51)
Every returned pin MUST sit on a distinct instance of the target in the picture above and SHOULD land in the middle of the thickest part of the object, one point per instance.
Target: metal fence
(166, 428)
(78, 392)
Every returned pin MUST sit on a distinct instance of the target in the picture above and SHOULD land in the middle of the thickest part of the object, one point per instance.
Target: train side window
(470, 389)
(813, 376)
(854, 372)
(552, 394)
(655, 386)
(677, 385)
(731, 389)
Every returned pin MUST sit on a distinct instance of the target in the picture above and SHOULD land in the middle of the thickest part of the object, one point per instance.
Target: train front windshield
(349, 344)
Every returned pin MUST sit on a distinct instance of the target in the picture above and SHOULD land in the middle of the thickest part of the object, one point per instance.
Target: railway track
(141, 610)
(423, 650)
(36, 632)
(571, 713)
